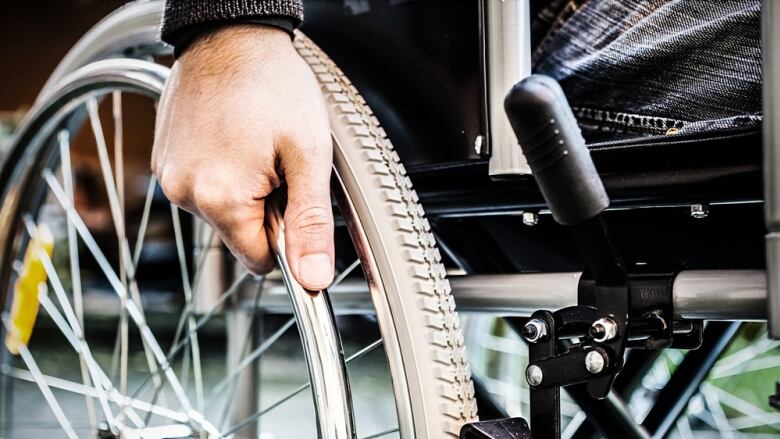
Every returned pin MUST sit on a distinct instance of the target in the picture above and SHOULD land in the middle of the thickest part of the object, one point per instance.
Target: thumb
(308, 221)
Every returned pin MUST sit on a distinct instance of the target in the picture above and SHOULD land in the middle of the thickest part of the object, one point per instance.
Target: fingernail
(316, 269)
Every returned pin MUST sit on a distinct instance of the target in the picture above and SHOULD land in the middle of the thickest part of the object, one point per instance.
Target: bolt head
(534, 375)
(595, 362)
(699, 211)
(534, 330)
(478, 144)
(603, 329)
(530, 218)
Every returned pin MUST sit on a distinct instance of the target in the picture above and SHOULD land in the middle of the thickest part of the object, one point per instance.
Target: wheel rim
(81, 88)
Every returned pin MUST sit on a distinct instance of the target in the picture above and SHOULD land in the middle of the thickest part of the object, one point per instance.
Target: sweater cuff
(183, 38)
(182, 14)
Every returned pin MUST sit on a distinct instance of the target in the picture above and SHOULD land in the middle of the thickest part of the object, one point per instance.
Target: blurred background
(34, 36)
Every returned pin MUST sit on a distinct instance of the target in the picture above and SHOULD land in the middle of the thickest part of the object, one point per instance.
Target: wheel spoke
(684, 428)
(98, 377)
(133, 311)
(254, 355)
(574, 424)
(713, 403)
(382, 433)
(747, 421)
(249, 420)
(361, 353)
(115, 397)
(105, 166)
(233, 289)
(201, 322)
(343, 275)
(139, 243)
(742, 406)
(187, 310)
(734, 363)
(73, 255)
(185, 280)
(753, 365)
(242, 354)
(126, 267)
(32, 366)
(200, 266)
(69, 326)
(119, 164)
(119, 160)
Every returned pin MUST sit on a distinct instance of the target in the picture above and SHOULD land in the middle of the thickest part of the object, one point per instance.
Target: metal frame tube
(771, 67)
(507, 31)
(698, 294)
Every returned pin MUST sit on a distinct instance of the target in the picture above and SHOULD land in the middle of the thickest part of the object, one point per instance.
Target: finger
(308, 217)
(241, 229)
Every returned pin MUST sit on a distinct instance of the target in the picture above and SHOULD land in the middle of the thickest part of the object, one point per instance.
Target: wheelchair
(443, 240)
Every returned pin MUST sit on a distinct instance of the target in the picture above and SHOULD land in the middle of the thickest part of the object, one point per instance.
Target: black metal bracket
(573, 345)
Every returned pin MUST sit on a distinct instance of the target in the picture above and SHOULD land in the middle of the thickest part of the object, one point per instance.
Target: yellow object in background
(31, 279)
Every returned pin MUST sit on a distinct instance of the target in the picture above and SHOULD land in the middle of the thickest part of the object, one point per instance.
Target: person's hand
(241, 113)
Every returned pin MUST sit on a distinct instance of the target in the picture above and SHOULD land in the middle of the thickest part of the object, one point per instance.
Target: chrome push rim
(120, 409)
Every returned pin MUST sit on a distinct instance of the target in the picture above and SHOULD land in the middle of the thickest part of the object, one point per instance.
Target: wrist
(238, 39)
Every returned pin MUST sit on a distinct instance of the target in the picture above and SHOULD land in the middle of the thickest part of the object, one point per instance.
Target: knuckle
(207, 196)
(174, 186)
(217, 192)
(313, 221)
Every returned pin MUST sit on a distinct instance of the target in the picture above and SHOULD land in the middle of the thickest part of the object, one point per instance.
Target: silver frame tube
(771, 67)
(698, 294)
(508, 60)
(720, 295)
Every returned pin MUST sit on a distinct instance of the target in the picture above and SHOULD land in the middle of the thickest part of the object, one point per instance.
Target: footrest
(510, 428)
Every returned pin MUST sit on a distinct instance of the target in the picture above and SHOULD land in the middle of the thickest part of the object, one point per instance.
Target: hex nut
(603, 329)
(535, 330)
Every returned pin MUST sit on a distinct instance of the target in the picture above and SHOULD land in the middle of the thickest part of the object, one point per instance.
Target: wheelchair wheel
(138, 336)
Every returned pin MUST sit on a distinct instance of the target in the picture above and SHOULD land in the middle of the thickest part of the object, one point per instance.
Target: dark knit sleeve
(183, 19)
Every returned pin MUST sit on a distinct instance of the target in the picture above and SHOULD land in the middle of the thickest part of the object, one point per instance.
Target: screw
(534, 375)
(534, 330)
(595, 362)
(699, 210)
(478, 144)
(530, 218)
(603, 329)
